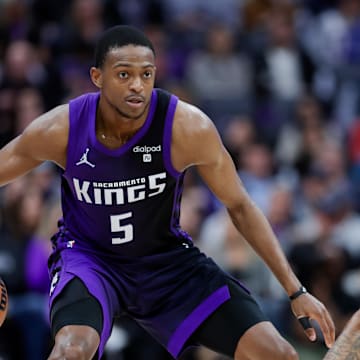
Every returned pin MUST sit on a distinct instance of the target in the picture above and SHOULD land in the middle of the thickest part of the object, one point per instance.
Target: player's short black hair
(118, 36)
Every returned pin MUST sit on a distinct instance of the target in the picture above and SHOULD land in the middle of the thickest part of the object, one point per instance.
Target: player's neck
(114, 131)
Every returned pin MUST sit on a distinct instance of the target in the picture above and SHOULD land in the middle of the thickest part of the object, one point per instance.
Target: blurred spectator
(195, 201)
(327, 36)
(75, 46)
(14, 21)
(238, 135)
(220, 76)
(23, 266)
(312, 187)
(325, 236)
(326, 188)
(80, 31)
(212, 235)
(257, 173)
(254, 14)
(138, 12)
(340, 224)
(200, 13)
(284, 72)
(164, 61)
(24, 68)
(7, 109)
(331, 42)
(29, 105)
(301, 139)
(281, 215)
(331, 160)
(353, 153)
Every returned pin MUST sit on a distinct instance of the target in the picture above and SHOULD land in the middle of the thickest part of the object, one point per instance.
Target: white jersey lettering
(82, 192)
(119, 192)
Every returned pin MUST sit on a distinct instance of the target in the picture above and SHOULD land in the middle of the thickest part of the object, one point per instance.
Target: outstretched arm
(347, 345)
(196, 142)
(44, 139)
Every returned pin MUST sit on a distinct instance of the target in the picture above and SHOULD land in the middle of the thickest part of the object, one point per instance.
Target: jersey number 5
(126, 230)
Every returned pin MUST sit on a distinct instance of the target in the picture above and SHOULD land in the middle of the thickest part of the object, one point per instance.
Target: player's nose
(136, 84)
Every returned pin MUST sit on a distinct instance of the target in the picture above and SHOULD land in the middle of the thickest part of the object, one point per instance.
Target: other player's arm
(347, 345)
(197, 142)
(44, 139)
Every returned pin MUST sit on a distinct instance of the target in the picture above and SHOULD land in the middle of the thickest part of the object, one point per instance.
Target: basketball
(3, 302)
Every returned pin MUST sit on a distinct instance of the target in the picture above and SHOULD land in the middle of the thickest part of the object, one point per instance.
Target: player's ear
(96, 76)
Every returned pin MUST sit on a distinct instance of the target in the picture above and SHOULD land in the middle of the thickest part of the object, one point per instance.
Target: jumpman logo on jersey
(84, 159)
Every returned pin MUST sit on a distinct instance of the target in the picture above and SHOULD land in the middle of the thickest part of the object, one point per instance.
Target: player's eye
(148, 74)
(123, 75)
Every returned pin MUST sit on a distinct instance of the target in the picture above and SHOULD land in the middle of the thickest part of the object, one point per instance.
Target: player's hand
(306, 308)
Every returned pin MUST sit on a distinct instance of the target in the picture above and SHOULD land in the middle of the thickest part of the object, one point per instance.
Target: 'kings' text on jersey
(119, 192)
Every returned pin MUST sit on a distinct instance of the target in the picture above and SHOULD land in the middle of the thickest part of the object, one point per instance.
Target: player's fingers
(328, 329)
(327, 326)
(307, 326)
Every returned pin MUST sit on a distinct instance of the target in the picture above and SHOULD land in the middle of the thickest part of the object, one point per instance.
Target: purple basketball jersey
(123, 201)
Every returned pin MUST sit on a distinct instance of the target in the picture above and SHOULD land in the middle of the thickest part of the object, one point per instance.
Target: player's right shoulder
(47, 136)
(55, 120)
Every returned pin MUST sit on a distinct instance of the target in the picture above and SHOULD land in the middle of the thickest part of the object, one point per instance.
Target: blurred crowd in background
(281, 81)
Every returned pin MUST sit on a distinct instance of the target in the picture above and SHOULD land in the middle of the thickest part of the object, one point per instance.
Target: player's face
(127, 80)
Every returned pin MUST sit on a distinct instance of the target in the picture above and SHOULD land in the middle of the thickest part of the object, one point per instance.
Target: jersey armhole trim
(71, 135)
(169, 120)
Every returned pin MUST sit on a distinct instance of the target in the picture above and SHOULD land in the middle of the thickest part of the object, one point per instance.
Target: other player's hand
(306, 308)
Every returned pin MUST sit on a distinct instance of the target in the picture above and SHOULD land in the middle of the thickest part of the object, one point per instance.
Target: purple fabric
(175, 213)
(154, 288)
(192, 322)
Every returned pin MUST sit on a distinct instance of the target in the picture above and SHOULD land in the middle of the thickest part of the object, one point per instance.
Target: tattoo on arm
(346, 347)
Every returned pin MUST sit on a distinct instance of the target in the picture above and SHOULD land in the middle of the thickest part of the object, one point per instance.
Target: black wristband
(296, 294)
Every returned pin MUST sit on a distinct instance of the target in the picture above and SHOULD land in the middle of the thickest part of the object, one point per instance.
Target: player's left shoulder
(194, 137)
(190, 120)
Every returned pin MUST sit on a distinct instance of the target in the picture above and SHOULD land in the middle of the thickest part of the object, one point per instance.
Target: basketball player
(123, 152)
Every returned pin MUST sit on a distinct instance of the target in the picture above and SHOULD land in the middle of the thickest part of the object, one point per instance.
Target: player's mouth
(135, 102)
